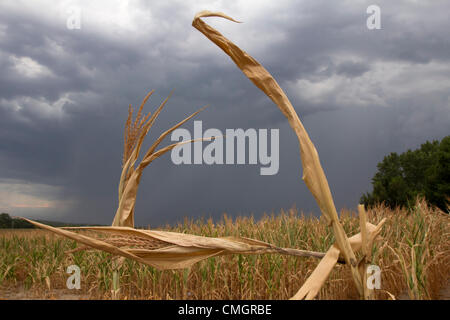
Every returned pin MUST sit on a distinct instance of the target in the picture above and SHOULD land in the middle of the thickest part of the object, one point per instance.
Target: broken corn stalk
(313, 174)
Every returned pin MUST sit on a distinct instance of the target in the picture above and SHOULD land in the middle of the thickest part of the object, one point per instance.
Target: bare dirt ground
(65, 294)
(55, 294)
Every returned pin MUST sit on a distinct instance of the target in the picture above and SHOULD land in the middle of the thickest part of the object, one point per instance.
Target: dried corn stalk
(169, 250)
(160, 249)
(316, 280)
(313, 174)
(130, 177)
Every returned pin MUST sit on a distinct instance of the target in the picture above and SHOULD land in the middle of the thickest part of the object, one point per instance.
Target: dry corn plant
(170, 250)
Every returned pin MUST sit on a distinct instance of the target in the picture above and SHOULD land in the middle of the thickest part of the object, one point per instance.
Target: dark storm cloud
(361, 94)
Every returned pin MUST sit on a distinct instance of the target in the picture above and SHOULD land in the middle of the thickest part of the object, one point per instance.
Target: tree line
(6, 222)
(424, 172)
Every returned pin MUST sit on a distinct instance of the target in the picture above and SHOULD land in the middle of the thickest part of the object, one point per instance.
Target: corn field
(413, 258)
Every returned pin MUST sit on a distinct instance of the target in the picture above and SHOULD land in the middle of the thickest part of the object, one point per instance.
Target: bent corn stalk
(313, 174)
(169, 250)
(316, 280)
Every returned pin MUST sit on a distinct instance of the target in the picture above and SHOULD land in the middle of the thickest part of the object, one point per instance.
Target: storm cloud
(64, 96)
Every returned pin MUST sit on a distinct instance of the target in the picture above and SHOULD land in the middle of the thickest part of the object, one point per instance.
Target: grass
(413, 257)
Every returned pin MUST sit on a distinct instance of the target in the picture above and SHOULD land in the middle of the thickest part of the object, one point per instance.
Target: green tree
(437, 190)
(5, 221)
(424, 172)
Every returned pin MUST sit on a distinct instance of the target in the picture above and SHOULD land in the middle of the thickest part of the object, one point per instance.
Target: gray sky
(64, 95)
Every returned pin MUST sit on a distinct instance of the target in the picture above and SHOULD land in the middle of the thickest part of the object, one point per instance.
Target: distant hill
(8, 222)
